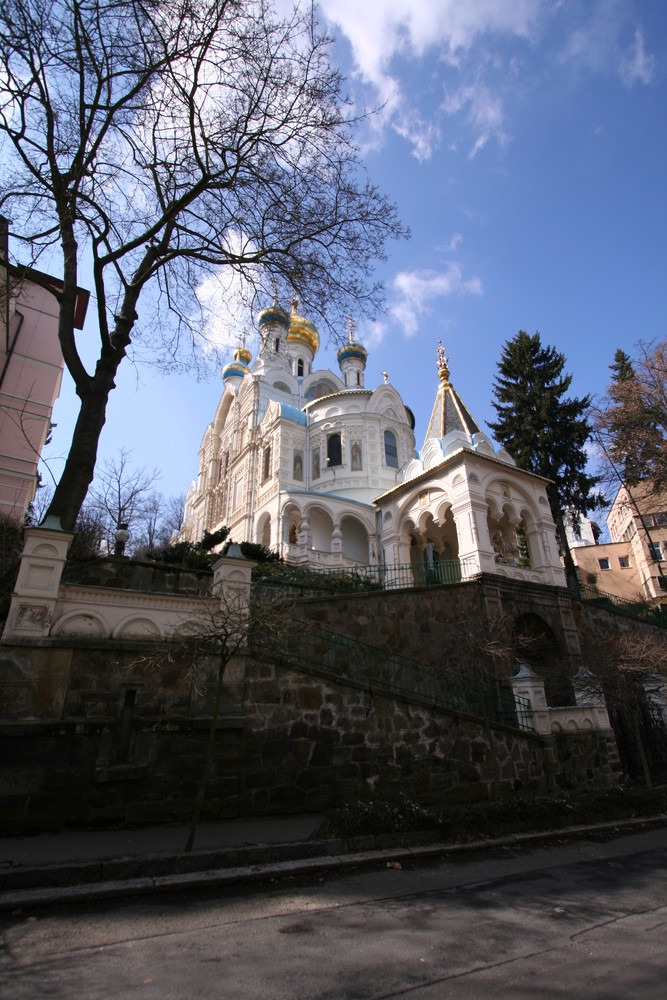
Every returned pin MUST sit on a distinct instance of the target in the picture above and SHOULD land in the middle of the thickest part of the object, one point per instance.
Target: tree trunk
(80, 465)
(206, 773)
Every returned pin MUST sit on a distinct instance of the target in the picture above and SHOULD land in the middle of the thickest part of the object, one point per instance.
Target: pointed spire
(443, 364)
(351, 325)
(449, 411)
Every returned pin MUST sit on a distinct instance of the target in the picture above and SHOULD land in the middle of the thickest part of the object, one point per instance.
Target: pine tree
(544, 429)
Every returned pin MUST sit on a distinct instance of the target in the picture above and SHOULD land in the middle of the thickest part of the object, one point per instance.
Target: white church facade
(312, 464)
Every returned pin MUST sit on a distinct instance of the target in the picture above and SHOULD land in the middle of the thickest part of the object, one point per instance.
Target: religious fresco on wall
(316, 463)
(355, 455)
(297, 468)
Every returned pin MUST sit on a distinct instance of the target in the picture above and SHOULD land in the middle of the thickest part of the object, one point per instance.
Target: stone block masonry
(119, 742)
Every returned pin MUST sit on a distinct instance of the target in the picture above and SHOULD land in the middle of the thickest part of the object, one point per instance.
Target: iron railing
(359, 578)
(381, 671)
(636, 609)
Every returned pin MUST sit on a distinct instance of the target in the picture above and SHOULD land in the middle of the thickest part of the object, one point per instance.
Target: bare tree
(631, 420)
(165, 142)
(620, 666)
(123, 496)
(220, 633)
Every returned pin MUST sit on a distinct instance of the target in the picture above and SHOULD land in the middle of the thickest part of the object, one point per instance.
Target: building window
(334, 450)
(656, 550)
(238, 493)
(267, 463)
(277, 345)
(390, 449)
(624, 562)
(299, 367)
(603, 563)
(358, 378)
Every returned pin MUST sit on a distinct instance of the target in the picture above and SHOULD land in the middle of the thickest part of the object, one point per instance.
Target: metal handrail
(636, 609)
(379, 670)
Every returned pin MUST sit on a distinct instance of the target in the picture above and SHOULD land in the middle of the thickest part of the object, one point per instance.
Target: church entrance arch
(291, 520)
(536, 645)
(321, 529)
(355, 540)
(264, 531)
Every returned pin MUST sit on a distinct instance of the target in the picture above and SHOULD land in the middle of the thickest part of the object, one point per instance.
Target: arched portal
(321, 529)
(264, 531)
(355, 540)
(536, 645)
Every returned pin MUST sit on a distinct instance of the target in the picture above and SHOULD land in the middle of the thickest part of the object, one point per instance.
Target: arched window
(390, 449)
(299, 367)
(334, 450)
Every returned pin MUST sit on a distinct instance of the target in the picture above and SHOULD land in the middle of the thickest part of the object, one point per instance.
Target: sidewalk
(81, 866)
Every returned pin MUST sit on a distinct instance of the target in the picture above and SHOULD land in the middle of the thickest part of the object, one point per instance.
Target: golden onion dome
(243, 355)
(302, 331)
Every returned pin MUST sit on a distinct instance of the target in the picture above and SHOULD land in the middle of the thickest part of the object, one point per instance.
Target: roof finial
(351, 326)
(385, 376)
(295, 301)
(443, 365)
(275, 291)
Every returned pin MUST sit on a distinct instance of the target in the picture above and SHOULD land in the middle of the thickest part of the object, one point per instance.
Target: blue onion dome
(234, 373)
(302, 331)
(352, 350)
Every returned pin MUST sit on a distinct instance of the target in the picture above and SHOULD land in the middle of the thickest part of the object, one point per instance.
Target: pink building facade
(31, 367)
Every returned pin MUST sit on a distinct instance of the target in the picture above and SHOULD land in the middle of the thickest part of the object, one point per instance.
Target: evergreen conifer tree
(544, 429)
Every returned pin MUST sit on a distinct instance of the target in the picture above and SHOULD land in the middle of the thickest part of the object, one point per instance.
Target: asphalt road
(586, 919)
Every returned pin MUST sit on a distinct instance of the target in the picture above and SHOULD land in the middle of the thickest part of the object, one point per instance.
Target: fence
(346, 580)
(636, 609)
(384, 672)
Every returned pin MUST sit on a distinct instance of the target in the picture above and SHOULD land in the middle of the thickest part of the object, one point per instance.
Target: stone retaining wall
(287, 741)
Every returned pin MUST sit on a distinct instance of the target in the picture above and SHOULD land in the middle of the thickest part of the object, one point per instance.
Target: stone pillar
(304, 533)
(231, 583)
(526, 684)
(36, 591)
(336, 538)
(475, 549)
(588, 694)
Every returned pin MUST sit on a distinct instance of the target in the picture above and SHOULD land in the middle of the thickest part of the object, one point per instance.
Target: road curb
(45, 895)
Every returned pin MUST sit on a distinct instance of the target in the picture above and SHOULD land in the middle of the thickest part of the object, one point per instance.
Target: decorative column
(476, 552)
(36, 591)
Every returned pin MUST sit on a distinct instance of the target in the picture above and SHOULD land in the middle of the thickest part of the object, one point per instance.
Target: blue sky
(525, 145)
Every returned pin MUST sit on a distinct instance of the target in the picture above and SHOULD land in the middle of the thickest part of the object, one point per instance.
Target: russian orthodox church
(318, 467)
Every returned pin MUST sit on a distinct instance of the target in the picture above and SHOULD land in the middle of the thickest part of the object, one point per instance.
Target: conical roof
(449, 411)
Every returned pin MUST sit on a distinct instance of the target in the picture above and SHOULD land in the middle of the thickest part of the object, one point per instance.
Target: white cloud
(225, 299)
(381, 32)
(637, 66)
(414, 293)
(485, 114)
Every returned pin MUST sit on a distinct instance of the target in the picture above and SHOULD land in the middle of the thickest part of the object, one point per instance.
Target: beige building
(633, 566)
(315, 465)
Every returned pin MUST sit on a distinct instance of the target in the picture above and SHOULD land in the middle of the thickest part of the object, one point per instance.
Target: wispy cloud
(637, 66)
(386, 31)
(413, 294)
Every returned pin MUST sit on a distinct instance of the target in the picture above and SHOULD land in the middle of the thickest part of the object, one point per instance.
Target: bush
(516, 814)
